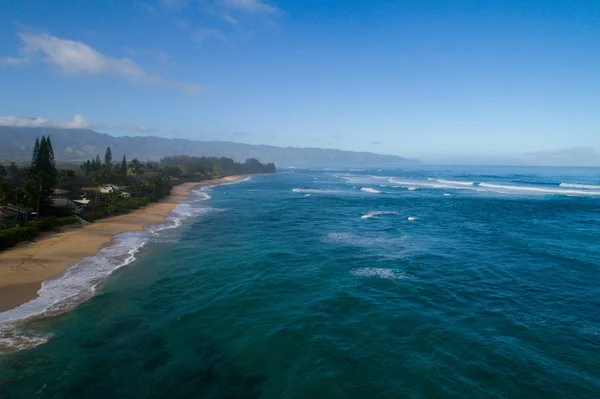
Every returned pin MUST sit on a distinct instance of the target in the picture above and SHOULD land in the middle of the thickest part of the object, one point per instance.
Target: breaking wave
(370, 190)
(459, 183)
(373, 214)
(584, 186)
(537, 189)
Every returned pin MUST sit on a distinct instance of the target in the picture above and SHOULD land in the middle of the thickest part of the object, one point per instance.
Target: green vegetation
(41, 197)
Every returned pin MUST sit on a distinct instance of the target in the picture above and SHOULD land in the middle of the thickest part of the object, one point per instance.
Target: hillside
(82, 144)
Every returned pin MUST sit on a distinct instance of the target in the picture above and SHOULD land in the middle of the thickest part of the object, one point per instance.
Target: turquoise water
(417, 283)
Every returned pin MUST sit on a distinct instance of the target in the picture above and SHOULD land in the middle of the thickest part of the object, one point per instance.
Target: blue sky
(431, 79)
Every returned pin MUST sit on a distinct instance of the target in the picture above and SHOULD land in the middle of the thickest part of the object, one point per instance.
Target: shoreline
(24, 268)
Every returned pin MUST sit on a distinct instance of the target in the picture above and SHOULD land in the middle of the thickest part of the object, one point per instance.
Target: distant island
(76, 145)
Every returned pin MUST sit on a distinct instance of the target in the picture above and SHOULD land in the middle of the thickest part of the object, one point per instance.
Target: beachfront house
(81, 204)
(111, 187)
(60, 199)
(60, 194)
(63, 203)
(13, 212)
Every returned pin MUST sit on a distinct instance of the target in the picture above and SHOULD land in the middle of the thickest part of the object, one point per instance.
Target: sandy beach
(24, 268)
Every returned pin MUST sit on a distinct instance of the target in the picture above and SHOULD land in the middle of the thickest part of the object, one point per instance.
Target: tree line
(190, 166)
(112, 187)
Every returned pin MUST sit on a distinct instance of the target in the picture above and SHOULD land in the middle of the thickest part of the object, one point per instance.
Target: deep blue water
(414, 283)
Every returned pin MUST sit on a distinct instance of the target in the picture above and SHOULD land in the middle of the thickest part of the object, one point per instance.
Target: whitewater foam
(366, 242)
(77, 284)
(316, 191)
(460, 183)
(584, 186)
(407, 184)
(565, 188)
(229, 183)
(373, 214)
(435, 183)
(537, 189)
(411, 218)
(388, 274)
(370, 190)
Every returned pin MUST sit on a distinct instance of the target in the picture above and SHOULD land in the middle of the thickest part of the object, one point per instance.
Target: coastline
(24, 268)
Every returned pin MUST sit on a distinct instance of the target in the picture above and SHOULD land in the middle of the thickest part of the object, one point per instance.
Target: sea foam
(388, 274)
(316, 191)
(459, 183)
(370, 190)
(584, 186)
(507, 188)
(373, 214)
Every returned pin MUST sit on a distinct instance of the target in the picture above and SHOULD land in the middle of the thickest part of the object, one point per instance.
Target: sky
(437, 80)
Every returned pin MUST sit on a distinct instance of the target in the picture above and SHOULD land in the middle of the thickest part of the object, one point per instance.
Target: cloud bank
(78, 122)
(76, 58)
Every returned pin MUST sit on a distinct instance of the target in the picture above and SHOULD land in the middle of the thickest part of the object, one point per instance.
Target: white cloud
(228, 18)
(76, 58)
(13, 61)
(149, 53)
(78, 122)
(223, 15)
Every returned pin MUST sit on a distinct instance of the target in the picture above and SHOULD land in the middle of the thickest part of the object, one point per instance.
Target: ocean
(419, 282)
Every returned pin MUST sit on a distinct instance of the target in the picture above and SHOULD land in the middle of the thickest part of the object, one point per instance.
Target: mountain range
(76, 145)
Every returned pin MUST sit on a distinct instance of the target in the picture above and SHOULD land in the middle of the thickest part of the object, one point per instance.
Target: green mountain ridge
(71, 145)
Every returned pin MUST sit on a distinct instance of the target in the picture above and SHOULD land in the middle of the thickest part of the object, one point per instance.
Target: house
(12, 211)
(81, 204)
(60, 194)
(110, 188)
(60, 199)
(6, 213)
(63, 203)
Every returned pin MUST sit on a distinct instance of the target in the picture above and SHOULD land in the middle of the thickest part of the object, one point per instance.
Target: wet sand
(24, 268)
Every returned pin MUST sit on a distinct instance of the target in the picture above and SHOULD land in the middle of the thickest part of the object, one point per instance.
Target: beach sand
(24, 268)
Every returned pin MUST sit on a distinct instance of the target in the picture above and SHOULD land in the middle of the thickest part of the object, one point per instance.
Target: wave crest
(537, 189)
(584, 186)
(377, 213)
(370, 190)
